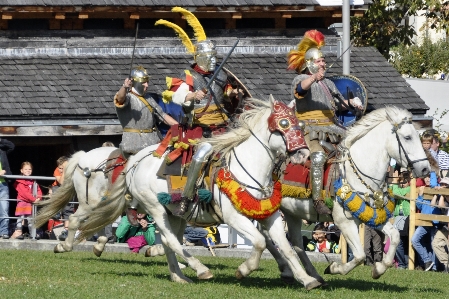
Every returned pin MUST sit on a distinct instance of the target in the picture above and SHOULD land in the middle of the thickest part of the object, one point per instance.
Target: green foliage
(38, 274)
(386, 22)
(422, 59)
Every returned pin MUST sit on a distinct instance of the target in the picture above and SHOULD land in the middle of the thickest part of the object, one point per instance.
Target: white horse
(247, 155)
(90, 190)
(363, 159)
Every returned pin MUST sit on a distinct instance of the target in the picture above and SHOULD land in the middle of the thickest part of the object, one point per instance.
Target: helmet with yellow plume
(308, 50)
(204, 52)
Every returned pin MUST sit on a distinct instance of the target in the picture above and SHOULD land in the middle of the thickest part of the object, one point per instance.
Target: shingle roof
(81, 86)
(183, 3)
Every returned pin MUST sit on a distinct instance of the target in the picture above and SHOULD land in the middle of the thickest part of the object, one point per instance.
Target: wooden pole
(411, 252)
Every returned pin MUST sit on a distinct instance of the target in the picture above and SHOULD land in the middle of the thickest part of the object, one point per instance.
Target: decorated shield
(236, 83)
(350, 87)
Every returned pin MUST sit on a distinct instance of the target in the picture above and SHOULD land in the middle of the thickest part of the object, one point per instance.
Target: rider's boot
(316, 175)
(131, 213)
(198, 159)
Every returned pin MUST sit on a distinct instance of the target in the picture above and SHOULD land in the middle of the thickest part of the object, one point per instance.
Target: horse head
(405, 145)
(283, 122)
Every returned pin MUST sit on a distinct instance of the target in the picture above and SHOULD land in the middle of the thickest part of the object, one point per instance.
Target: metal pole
(346, 37)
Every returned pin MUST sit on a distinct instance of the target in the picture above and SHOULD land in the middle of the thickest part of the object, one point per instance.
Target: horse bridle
(395, 129)
(261, 188)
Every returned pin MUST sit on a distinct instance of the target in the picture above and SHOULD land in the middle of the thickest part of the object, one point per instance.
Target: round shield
(238, 105)
(350, 87)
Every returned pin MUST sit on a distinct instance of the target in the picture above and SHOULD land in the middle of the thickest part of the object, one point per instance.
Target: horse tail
(107, 211)
(62, 196)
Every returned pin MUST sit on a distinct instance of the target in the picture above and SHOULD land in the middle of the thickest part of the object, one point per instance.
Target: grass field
(37, 274)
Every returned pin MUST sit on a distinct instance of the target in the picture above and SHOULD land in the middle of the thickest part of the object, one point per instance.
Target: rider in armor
(206, 108)
(316, 99)
(136, 111)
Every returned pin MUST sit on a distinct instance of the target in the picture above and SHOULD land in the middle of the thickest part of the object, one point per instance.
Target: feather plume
(312, 39)
(181, 33)
(193, 22)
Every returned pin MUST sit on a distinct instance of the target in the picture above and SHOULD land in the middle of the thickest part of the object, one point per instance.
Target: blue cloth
(193, 234)
(433, 180)
(424, 249)
(424, 205)
(4, 209)
(172, 109)
(400, 255)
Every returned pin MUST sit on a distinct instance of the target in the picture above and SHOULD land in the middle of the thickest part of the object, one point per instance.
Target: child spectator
(401, 186)
(26, 197)
(320, 243)
(136, 236)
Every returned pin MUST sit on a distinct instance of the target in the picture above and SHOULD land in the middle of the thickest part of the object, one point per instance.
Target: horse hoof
(239, 274)
(328, 269)
(97, 252)
(375, 274)
(205, 275)
(312, 285)
(155, 250)
(288, 280)
(58, 249)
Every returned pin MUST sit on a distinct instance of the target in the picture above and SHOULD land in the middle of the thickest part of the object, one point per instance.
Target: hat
(444, 180)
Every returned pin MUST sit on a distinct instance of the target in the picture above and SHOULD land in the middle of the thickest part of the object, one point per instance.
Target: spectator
(424, 250)
(440, 242)
(69, 209)
(320, 243)
(26, 196)
(441, 156)
(136, 236)
(373, 246)
(401, 186)
(6, 147)
(108, 143)
(207, 236)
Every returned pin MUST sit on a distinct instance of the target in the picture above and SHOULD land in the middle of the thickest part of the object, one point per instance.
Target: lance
(134, 49)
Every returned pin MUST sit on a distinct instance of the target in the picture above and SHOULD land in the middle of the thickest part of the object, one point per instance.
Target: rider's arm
(120, 96)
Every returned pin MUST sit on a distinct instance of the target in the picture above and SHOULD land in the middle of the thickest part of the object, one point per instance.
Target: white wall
(419, 23)
(435, 94)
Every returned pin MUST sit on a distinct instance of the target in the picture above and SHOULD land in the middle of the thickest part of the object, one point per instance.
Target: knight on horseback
(207, 111)
(136, 111)
(316, 98)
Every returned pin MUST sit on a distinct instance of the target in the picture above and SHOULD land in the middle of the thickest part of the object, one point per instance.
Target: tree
(423, 59)
(385, 24)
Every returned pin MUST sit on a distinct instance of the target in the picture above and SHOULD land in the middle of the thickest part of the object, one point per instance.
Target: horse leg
(276, 231)
(74, 221)
(379, 268)
(286, 272)
(172, 246)
(349, 229)
(99, 247)
(294, 231)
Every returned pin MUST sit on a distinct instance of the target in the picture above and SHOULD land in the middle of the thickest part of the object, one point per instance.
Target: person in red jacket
(26, 196)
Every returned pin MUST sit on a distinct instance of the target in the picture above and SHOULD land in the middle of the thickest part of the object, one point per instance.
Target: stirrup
(321, 207)
(182, 207)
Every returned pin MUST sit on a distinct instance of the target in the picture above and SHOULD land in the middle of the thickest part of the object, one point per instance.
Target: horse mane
(248, 120)
(393, 114)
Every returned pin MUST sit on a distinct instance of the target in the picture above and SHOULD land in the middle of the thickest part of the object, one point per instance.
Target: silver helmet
(310, 57)
(139, 76)
(205, 55)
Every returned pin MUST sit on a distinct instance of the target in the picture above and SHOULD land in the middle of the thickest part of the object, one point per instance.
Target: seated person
(136, 236)
(320, 243)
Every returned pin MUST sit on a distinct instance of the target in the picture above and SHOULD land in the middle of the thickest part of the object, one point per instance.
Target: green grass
(37, 274)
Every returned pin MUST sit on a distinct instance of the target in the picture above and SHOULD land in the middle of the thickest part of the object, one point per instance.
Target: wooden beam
(54, 24)
(280, 23)
(60, 16)
(230, 23)
(83, 15)
(134, 16)
(6, 16)
(78, 24)
(3, 24)
(129, 24)
(286, 15)
(237, 15)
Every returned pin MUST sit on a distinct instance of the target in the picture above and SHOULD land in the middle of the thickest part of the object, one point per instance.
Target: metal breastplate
(216, 89)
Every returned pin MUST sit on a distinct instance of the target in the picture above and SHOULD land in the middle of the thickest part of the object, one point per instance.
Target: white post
(346, 37)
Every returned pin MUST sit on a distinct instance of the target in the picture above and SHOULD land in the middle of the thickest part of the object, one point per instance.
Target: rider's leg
(318, 159)
(199, 158)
